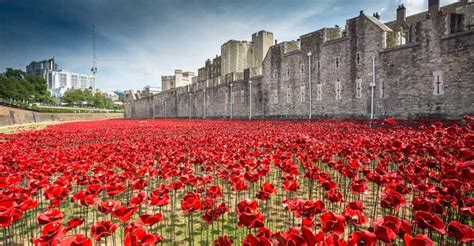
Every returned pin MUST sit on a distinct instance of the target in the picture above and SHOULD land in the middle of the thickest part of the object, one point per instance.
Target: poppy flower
(223, 241)
(461, 232)
(102, 229)
(139, 184)
(108, 206)
(9, 214)
(74, 223)
(418, 240)
(139, 236)
(364, 237)
(50, 216)
(191, 202)
(75, 240)
(123, 213)
(160, 200)
(214, 213)
(214, 191)
(392, 199)
(49, 234)
(390, 121)
(251, 240)
(334, 196)
(428, 220)
(359, 186)
(150, 220)
(249, 216)
(138, 199)
(267, 189)
(290, 237)
(332, 222)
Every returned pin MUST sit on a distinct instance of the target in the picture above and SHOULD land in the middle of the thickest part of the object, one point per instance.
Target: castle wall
(432, 75)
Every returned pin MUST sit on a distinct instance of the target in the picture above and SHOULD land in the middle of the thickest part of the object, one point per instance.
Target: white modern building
(61, 81)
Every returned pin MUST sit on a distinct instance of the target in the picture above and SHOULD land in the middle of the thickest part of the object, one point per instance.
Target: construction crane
(94, 66)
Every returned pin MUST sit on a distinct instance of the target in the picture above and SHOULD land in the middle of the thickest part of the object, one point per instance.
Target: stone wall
(432, 75)
(13, 116)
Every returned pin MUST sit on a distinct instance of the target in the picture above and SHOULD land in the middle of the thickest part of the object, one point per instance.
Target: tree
(14, 84)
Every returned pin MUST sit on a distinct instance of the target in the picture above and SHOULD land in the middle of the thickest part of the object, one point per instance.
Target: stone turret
(433, 7)
(401, 13)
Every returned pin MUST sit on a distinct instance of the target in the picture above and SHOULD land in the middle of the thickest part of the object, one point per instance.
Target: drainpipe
(310, 86)
(250, 99)
(165, 109)
(372, 89)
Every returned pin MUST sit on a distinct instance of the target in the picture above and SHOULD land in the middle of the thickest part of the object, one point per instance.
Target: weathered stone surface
(427, 73)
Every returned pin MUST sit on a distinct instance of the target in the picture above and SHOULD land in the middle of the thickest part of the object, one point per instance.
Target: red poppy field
(218, 182)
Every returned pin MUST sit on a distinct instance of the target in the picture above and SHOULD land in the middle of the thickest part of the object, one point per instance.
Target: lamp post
(231, 101)
(190, 111)
(204, 104)
(310, 85)
(250, 99)
(372, 89)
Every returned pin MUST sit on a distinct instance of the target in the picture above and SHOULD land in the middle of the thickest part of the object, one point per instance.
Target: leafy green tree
(14, 84)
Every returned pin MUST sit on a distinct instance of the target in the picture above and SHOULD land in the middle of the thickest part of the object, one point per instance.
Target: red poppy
(74, 223)
(392, 199)
(359, 186)
(223, 241)
(150, 220)
(428, 220)
(139, 184)
(332, 222)
(461, 232)
(108, 206)
(290, 237)
(160, 200)
(9, 213)
(75, 240)
(102, 229)
(123, 213)
(191, 202)
(364, 237)
(139, 236)
(138, 199)
(418, 240)
(251, 240)
(334, 196)
(267, 189)
(214, 191)
(50, 216)
(390, 121)
(249, 216)
(214, 213)
(49, 234)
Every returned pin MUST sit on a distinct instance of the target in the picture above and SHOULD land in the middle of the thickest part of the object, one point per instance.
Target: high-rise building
(40, 68)
(59, 81)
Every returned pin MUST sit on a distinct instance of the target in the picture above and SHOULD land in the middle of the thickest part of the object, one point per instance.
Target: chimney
(433, 7)
(401, 13)
(276, 42)
(376, 15)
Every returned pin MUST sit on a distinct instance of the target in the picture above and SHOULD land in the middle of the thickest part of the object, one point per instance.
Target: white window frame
(319, 92)
(288, 94)
(358, 88)
(302, 93)
(338, 90)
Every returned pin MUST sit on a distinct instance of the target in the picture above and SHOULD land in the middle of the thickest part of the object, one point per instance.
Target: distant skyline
(139, 41)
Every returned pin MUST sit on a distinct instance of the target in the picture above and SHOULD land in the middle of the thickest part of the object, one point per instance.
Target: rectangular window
(337, 62)
(302, 69)
(338, 90)
(288, 94)
(358, 59)
(242, 96)
(319, 92)
(275, 96)
(438, 83)
(358, 88)
(275, 73)
(382, 89)
(302, 93)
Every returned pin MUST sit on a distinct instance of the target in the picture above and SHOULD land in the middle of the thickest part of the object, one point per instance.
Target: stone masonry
(422, 66)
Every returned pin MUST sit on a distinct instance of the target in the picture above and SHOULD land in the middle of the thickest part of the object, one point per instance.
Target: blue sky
(138, 41)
